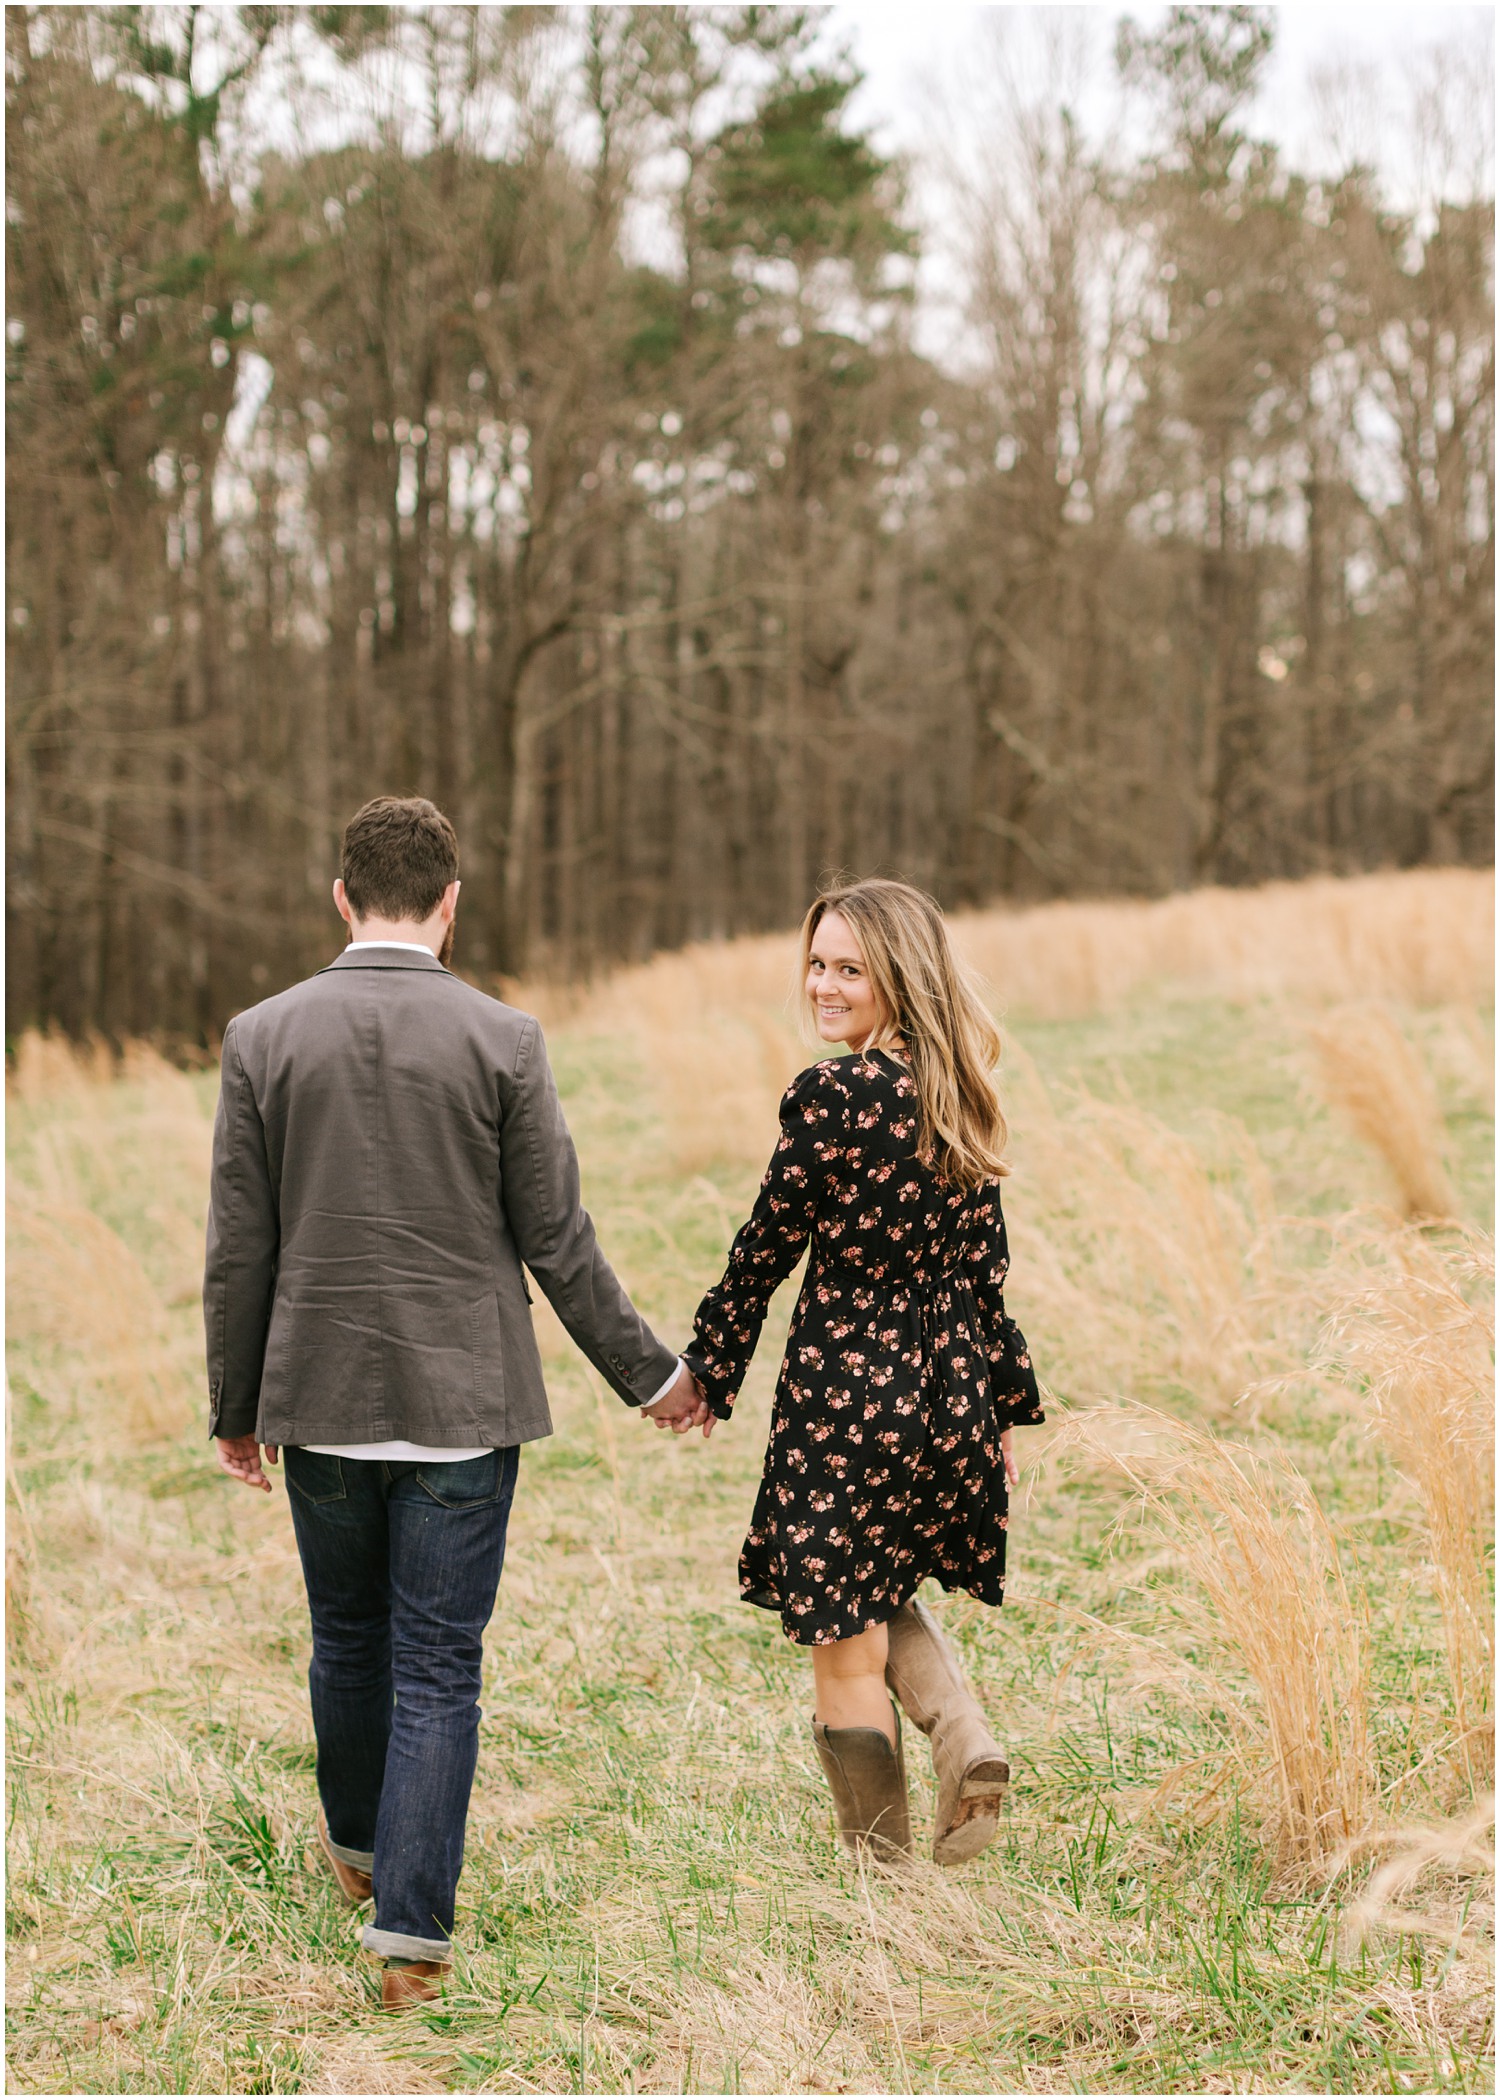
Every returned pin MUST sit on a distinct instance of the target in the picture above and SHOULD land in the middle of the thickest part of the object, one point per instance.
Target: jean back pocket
(317, 1476)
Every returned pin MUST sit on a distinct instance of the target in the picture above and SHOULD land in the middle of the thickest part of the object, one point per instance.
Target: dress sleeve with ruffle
(769, 1245)
(987, 1259)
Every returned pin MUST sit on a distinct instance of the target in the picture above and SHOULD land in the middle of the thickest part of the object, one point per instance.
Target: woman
(890, 1457)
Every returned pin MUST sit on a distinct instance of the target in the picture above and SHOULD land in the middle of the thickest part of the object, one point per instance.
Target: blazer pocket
(487, 1344)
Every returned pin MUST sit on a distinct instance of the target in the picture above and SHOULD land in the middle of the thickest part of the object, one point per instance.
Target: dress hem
(805, 1636)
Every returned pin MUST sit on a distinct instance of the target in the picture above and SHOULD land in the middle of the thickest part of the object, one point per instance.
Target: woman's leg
(972, 1770)
(849, 1683)
(858, 1742)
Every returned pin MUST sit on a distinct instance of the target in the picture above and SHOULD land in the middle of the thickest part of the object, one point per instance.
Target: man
(388, 1151)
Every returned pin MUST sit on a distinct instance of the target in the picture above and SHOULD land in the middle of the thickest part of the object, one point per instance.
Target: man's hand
(239, 1457)
(681, 1407)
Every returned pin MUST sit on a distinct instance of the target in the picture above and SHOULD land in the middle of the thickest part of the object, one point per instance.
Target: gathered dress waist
(911, 1296)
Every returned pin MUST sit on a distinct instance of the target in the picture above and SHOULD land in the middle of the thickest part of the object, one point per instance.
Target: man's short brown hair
(400, 854)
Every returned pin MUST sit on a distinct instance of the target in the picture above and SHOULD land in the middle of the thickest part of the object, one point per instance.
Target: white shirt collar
(416, 947)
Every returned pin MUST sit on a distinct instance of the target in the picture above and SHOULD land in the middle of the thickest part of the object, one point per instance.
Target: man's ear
(341, 900)
(448, 903)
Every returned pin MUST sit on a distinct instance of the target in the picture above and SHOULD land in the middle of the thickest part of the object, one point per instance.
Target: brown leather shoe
(418, 1983)
(355, 1885)
(866, 1775)
(972, 1770)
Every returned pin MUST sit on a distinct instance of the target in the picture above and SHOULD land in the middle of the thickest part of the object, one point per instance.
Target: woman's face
(838, 985)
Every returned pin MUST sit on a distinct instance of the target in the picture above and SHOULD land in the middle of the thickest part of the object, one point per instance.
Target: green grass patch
(653, 1899)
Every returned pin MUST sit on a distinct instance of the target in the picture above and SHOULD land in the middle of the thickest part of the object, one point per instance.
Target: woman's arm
(767, 1247)
(1012, 1379)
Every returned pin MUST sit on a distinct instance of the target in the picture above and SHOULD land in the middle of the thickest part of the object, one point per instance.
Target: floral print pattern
(901, 1368)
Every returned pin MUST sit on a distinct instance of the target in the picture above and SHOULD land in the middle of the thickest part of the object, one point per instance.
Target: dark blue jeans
(402, 1562)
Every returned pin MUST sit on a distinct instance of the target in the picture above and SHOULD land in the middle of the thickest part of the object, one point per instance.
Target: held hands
(681, 1407)
(1007, 1452)
(239, 1457)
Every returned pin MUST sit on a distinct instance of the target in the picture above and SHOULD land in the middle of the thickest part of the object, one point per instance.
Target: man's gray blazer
(389, 1148)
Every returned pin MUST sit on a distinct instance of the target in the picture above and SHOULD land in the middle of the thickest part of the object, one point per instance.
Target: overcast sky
(904, 45)
(927, 65)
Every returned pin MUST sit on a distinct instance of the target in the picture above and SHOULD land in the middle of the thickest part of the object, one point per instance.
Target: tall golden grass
(1384, 1904)
(1421, 938)
(718, 1023)
(1374, 1076)
(1422, 1352)
(1268, 1392)
(1268, 1599)
(75, 1287)
(91, 1270)
(1424, 938)
(1164, 1255)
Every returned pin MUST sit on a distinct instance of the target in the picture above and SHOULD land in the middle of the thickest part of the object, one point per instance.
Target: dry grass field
(1245, 1673)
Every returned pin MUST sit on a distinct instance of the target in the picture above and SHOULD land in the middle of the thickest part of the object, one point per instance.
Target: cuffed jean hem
(406, 1945)
(347, 1856)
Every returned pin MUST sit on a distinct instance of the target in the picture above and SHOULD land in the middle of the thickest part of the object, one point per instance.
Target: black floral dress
(901, 1369)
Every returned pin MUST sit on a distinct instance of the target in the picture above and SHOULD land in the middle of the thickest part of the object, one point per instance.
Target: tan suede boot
(416, 1983)
(972, 1771)
(867, 1778)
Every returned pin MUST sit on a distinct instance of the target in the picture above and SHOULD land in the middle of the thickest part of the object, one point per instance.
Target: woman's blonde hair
(929, 1003)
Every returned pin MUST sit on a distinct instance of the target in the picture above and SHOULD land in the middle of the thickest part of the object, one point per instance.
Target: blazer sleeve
(768, 1246)
(555, 1236)
(1012, 1379)
(244, 1241)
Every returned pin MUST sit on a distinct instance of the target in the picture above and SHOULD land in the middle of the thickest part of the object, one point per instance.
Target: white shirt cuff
(662, 1391)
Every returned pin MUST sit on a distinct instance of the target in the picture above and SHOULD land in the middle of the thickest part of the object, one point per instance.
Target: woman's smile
(845, 1002)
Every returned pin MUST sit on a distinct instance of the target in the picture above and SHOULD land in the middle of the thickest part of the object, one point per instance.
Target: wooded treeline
(548, 436)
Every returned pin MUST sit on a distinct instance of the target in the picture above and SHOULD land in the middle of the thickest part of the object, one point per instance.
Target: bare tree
(520, 406)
